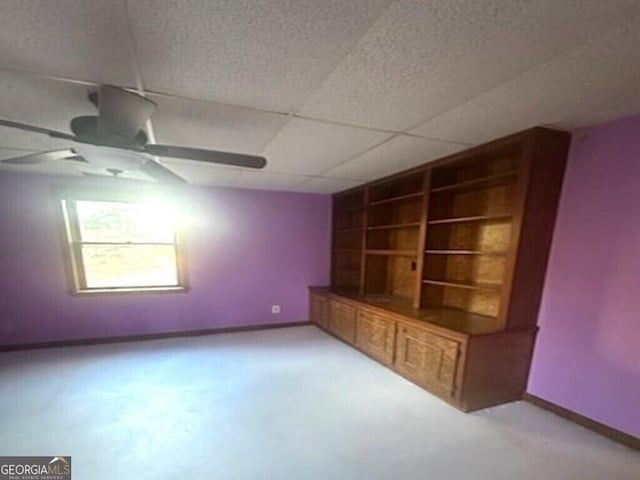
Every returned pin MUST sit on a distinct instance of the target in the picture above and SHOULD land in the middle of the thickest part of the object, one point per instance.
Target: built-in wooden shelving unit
(439, 270)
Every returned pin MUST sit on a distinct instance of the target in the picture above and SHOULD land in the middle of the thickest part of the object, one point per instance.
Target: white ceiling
(333, 92)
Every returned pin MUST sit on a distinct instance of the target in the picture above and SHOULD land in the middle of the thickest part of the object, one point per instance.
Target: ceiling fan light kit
(115, 140)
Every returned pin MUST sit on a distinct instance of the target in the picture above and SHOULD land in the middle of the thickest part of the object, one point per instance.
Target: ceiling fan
(115, 142)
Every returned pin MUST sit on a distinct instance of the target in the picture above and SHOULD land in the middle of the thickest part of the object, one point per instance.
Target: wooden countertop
(445, 320)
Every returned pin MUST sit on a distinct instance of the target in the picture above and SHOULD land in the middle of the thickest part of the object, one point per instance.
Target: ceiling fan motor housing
(123, 114)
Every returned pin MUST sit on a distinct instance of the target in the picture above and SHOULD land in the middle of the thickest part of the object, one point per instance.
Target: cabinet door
(318, 311)
(342, 321)
(376, 336)
(427, 359)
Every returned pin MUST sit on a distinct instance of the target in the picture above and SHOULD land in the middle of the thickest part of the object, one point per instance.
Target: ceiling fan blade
(41, 157)
(160, 173)
(202, 155)
(33, 128)
(92, 174)
(122, 113)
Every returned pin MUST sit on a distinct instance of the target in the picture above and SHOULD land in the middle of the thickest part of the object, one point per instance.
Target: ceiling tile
(399, 153)
(202, 174)
(81, 39)
(308, 147)
(422, 58)
(267, 181)
(595, 82)
(209, 125)
(325, 185)
(270, 53)
(41, 102)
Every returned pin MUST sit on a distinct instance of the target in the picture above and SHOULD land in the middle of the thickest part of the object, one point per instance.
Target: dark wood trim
(363, 241)
(422, 239)
(150, 336)
(600, 428)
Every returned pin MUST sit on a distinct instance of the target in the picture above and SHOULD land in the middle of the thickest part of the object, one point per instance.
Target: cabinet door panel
(376, 336)
(427, 359)
(319, 312)
(342, 321)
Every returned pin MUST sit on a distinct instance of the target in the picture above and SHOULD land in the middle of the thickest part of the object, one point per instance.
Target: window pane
(124, 222)
(129, 265)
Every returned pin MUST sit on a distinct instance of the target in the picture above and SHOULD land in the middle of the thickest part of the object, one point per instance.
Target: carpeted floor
(277, 404)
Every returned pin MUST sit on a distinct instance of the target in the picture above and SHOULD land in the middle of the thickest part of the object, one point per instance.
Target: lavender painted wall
(247, 250)
(587, 357)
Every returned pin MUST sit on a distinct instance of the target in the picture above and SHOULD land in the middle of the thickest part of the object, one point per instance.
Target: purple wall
(247, 250)
(587, 357)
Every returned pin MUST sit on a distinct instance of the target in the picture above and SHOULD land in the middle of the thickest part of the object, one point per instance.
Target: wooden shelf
(397, 225)
(489, 181)
(465, 252)
(403, 253)
(346, 250)
(358, 229)
(476, 218)
(468, 286)
(399, 198)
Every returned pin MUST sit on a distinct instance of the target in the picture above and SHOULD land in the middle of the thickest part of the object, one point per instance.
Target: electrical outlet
(276, 309)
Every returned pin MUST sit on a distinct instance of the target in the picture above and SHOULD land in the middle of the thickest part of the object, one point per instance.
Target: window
(122, 246)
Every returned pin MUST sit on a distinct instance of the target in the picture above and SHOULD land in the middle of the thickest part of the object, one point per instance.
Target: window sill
(128, 291)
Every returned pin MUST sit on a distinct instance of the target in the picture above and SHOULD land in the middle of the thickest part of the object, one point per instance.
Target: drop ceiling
(334, 93)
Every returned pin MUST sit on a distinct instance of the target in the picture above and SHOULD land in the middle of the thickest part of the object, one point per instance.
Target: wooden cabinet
(376, 336)
(427, 359)
(342, 321)
(438, 271)
(319, 311)
(470, 370)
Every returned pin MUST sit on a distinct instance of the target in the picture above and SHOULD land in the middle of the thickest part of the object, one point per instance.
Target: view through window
(122, 245)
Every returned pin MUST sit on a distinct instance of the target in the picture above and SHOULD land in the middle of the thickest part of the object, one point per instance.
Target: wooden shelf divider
(394, 226)
(402, 253)
(399, 198)
(488, 181)
(466, 252)
(468, 286)
(475, 218)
